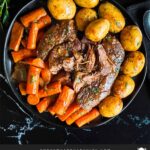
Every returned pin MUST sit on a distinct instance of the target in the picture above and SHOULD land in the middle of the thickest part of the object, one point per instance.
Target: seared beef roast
(110, 59)
(83, 79)
(95, 65)
(57, 34)
(58, 56)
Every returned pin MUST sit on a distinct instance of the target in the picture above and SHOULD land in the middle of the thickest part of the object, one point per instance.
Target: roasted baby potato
(97, 29)
(87, 3)
(123, 86)
(131, 38)
(133, 64)
(62, 9)
(84, 17)
(113, 15)
(110, 106)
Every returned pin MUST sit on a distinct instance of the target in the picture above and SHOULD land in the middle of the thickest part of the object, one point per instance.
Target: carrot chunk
(79, 113)
(44, 103)
(37, 62)
(22, 54)
(41, 82)
(33, 99)
(50, 90)
(32, 38)
(16, 35)
(72, 108)
(93, 114)
(51, 111)
(46, 74)
(33, 16)
(33, 80)
(44, 21)
(64, 100)
(22, 88)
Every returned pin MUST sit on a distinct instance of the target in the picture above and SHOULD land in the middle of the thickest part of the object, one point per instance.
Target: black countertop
(19, 127)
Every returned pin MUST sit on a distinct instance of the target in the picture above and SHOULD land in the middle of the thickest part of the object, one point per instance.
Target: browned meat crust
(57, 34)
(110, 60)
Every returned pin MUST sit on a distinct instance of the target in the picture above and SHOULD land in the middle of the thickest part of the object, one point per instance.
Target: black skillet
(8, 68)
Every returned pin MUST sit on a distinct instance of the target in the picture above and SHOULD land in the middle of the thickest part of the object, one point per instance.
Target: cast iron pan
(8, 67)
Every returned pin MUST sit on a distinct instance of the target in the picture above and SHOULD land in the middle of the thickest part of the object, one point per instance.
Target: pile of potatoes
(95, 26)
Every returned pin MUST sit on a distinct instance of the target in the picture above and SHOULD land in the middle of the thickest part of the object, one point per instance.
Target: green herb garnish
(95, 90)
(126, 84)
(138, 43)
(33, 79)
(118, 23)
(4, 13)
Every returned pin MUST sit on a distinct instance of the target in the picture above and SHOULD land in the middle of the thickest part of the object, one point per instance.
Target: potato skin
(87, 3)
(62, 9)
(123, 86)
(110, 106)
(97, 29)
(113, 15)
(131, 38)
(84, 17)
(133, 64)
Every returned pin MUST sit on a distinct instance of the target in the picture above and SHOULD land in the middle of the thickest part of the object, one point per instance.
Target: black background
(17, 127)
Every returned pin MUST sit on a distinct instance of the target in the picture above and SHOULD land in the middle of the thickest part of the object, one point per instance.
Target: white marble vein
(21, 129)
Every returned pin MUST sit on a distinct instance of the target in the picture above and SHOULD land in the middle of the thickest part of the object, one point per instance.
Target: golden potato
(84, 17)
(87, 3)
(62, 9)
(113, 15)
(110, 106)
(97, 30)
(133, 64)
(131, 38)
(123, 86)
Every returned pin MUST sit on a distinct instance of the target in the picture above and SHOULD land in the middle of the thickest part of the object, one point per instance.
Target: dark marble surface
(19, 127)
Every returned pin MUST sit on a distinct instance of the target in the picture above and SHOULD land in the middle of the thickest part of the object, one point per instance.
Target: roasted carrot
(72, 108)
(64, 100)
(24, 43)
(33, 16)
(22, 54)
(41, 82)
(93, 114)
(37, 62)
(16, 35)
(51, 110)
(22, 88)
(44, 103)
(79, 113)
(44, 21)
(51, 89)
(33, 80)
(40, 35)
(32, 38)
(33, 99)
(46, 74)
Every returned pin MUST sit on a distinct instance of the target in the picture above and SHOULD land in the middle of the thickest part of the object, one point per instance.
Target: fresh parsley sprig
(4, 11)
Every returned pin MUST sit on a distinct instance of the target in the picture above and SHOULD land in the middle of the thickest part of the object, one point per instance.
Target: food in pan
(87, 3)
(110, 106)
(97, 29)
(84, 17)
(133, 64)
(75, 76)
(131, 38)
(113, 15)
(123, 86)
(62, 9)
